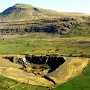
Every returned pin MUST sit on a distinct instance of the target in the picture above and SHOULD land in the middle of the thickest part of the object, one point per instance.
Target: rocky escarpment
(54, 25)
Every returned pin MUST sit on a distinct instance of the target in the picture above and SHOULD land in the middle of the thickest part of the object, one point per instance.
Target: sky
(82, 6)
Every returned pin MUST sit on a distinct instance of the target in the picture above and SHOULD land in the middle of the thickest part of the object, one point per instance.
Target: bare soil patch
(83, 43)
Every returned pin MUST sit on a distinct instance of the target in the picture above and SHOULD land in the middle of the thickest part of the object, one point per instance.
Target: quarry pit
(47, 70)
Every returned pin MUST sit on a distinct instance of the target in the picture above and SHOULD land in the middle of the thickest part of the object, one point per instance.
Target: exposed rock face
(10, 10)
(52, 62)
(36, 59)
(54, 26)
(55, 62)
(10, 58)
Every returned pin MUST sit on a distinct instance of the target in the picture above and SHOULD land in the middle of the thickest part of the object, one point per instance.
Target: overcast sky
(82, 6)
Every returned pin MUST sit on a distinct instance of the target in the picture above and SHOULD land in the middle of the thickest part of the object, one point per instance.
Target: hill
(29, 12)
(26, 12)
(23, 18)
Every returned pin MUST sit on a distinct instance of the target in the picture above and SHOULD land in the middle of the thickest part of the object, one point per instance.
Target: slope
(26, 12)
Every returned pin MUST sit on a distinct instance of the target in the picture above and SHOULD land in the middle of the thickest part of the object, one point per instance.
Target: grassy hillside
(29, 12)
(79, 83)
(26, 12)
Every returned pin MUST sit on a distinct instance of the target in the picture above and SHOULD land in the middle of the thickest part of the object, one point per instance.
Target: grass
(79, 30)
(43, 44)
(5, 83)
(9, 84)
(82, 82)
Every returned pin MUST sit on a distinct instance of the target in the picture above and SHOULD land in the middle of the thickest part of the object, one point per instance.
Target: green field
(9, 84)
(42, 44)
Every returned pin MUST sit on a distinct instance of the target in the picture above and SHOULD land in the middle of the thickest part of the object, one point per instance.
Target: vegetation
(9, 84)
(43, 44)
(22, 18)
(47, 32)
(25, 12)
(62, 26)
(78, 83)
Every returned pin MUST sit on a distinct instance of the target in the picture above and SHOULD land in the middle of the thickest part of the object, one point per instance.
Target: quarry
(48, 71)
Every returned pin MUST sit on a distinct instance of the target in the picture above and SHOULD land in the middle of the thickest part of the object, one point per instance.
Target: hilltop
(29, 12)
(26, 12)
